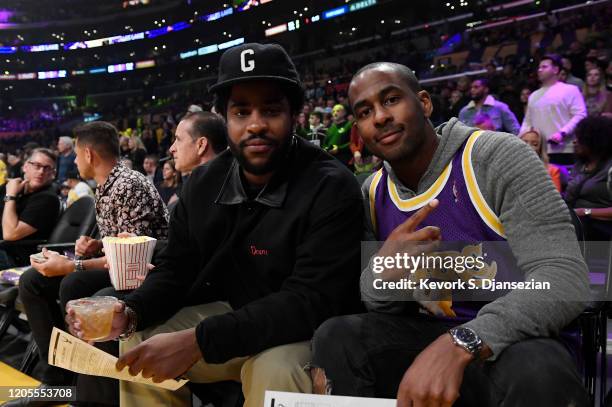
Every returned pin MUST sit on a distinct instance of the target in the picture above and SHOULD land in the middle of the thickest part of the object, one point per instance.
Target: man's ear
(201, 145)
(89, 155)
(425, 100)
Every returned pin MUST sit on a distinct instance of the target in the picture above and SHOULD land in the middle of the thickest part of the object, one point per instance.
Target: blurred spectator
(31, 207)
(152, 170)
(483, 122)
(149, 141)
(3, 169)
(538, 142)
(497, 113)
(15, 169)
(338, 135)
(587, 193)
(171, 180)
(456, 103)
(124, 147)
(301, 127)
(65, 160)
(555, 109)
(524, 99)
(597, 98)
(571, 79)
(316, 131)
(77, 188)
(493, 77)
(137, 153)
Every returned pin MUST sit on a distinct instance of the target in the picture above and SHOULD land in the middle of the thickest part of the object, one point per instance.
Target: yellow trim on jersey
(486, 213)
(419, 201)
(372, 197)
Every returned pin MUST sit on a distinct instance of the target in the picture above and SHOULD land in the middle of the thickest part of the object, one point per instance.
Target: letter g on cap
(247, 65)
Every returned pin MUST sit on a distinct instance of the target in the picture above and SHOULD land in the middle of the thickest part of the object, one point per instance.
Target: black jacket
(285, 261)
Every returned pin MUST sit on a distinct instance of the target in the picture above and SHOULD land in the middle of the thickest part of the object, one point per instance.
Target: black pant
(93, 390)
(40, 296)
(367, 355)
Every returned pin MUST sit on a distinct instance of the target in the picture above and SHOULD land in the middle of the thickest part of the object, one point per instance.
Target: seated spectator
(65, 159)
(198, 139)
(456, 102)
(171, 180)
(3, 169)
(124, 146)
(483, 122)
(77, 188)
(31, 207)
(500, 116)
(270, 227)
(316, 130)
(434, 353)
(524, 98)
(151, 169)
(597, 98)
(338, 135)
(301, 127)
(536, 140)
(125, 202)
(137, 153)
(571, 79)
(587, 193)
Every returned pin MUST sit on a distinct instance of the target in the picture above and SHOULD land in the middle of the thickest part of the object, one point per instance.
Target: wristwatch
(587, 211)
(78, 265)
(132, 324)
(9, 198)
(468, 339)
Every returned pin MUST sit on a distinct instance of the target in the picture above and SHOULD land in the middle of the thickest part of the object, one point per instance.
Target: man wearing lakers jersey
(453, 183)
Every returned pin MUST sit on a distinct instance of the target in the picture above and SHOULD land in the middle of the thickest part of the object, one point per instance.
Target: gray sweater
(516, 186)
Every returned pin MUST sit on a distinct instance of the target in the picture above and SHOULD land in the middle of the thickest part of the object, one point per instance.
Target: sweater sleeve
(577, 108)
(540, 234)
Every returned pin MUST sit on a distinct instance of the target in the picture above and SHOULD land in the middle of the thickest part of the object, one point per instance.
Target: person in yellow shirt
(2, 170)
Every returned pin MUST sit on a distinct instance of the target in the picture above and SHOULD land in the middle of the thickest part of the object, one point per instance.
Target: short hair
(594, 133)
(404, 72)
(209, 125)
(554, 59)
(152, 157)
(67, 140)
(318, 114)
(294, 93)
(483, 81)
(44, 151)
(100, 136)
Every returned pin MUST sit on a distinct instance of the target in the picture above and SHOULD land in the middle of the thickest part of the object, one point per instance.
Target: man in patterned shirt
(125, 202)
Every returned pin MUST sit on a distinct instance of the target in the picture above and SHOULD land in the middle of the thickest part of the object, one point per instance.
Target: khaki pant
(280, 368)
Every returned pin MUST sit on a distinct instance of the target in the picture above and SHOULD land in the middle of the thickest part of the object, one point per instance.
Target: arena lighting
(120, 67)
(52, 74)
(232, 43)
(335, 12)
(40, 48)
(8, 50)
(97, 70)
(218, 15)
(276, 30)
(23, 76)
(8, 77)
(149, 63)
(209, 49)
(188, 54)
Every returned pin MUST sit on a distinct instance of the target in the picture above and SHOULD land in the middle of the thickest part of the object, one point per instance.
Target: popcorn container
(127, 258)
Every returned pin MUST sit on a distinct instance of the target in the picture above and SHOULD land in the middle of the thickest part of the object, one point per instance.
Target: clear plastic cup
(95, 315)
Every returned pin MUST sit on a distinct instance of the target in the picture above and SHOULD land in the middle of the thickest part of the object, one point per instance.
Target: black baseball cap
(255, 61)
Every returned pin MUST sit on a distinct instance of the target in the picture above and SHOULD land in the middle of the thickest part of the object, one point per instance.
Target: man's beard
(274, 159)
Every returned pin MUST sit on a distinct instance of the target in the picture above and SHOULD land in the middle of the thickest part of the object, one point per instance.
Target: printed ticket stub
(71, 353)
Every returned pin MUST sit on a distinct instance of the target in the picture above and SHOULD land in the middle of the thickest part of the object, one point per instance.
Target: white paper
(283, 399)
(71, 353)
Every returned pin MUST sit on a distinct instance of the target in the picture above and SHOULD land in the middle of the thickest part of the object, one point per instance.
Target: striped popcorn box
(127, 258)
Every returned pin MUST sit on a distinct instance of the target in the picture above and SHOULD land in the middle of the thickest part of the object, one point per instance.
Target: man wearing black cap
(263, 247)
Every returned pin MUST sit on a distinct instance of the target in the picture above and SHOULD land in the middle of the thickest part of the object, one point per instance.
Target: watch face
(466, 335)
